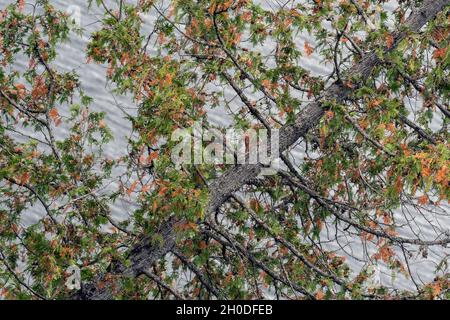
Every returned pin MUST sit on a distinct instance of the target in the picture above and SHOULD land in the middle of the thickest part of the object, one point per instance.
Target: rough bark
(145, 254)
(235, 178)
(141, 258)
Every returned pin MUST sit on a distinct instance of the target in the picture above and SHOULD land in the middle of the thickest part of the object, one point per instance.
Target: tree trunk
(145, 253)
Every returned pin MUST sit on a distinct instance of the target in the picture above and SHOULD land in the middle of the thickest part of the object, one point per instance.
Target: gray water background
(72, 57)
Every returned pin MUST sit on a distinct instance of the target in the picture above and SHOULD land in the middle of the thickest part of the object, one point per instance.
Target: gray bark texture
(145, 253)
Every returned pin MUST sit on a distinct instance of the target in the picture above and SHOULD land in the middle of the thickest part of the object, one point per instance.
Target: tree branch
(145, 254)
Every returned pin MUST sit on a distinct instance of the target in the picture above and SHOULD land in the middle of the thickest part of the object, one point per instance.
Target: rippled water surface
(72, 56)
